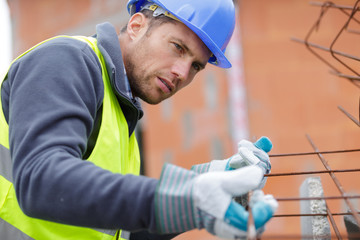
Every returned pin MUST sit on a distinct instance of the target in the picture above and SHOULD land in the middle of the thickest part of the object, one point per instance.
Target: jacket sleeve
(54, 92)
(145, 235)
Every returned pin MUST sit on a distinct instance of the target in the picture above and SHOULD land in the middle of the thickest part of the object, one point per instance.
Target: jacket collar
(109, 46)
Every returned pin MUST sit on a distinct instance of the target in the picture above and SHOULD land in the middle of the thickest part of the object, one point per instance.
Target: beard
(140, 83)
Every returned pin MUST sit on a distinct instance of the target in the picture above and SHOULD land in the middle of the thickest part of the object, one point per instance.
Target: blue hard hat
(213, 21)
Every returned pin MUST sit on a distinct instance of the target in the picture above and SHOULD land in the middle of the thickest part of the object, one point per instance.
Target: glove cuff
(201, 168)
(173, 202)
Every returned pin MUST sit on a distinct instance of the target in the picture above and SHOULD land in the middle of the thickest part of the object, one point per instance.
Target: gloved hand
(248, 154)
(185, 200)
(257, 199)
(260, 149)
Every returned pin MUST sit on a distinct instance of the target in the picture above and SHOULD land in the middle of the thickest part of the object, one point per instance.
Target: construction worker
(70, 162)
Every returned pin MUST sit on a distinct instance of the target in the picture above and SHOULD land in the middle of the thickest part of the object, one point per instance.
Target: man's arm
(54, 93)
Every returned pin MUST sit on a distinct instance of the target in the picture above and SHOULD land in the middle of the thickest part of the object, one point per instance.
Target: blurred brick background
(276, 88)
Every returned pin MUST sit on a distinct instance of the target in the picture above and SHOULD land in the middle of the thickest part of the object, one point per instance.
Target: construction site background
(286, 93)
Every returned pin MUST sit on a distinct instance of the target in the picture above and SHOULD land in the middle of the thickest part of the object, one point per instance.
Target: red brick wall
(36, 20)
(290, 93)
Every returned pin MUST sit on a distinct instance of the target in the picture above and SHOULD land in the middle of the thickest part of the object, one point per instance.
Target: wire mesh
(340, 199)
(342, 195)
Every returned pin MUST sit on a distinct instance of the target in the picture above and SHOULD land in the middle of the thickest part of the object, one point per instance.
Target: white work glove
(248, 154)
(258, 198)
(185, 200)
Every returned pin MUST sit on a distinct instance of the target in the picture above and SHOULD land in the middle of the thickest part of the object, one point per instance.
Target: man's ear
(137, 25)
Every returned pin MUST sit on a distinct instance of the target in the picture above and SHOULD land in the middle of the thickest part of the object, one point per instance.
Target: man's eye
(178, 47)
(196, 67)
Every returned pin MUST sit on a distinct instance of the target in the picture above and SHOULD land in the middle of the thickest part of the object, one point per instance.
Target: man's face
(164, 60)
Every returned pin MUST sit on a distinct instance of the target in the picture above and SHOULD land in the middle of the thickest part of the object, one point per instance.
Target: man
(69, 158)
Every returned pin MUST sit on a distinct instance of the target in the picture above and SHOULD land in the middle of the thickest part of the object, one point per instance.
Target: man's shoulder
(64, 43)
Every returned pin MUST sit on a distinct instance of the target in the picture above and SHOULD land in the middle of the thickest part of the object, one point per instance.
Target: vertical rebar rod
(350, 116)
(332, 221)
(251, 231)
(324, 9)
(354, 10)
(336, 181)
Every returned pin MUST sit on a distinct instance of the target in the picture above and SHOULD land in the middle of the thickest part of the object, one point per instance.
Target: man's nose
(181, 69)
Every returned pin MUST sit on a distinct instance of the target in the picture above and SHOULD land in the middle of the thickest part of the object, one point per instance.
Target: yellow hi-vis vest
(123, 158)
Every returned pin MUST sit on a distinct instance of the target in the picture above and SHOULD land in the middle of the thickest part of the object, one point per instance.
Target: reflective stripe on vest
(5, 163)
(7, 231)
(123, 158)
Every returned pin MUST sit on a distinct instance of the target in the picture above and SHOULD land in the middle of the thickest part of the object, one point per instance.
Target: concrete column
(316, 226)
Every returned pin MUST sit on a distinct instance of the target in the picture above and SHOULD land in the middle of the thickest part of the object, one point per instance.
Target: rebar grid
(329, 214)
(350, 12)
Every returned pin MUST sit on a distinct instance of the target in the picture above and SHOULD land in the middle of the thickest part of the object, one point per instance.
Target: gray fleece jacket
(52, 100)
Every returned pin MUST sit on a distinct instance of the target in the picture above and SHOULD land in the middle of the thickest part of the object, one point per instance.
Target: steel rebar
(311, 172)
(336, 181)
(350, 116)
(313, 153)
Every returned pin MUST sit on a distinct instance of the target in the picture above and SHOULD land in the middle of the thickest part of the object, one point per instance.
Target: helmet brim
(220, 58)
